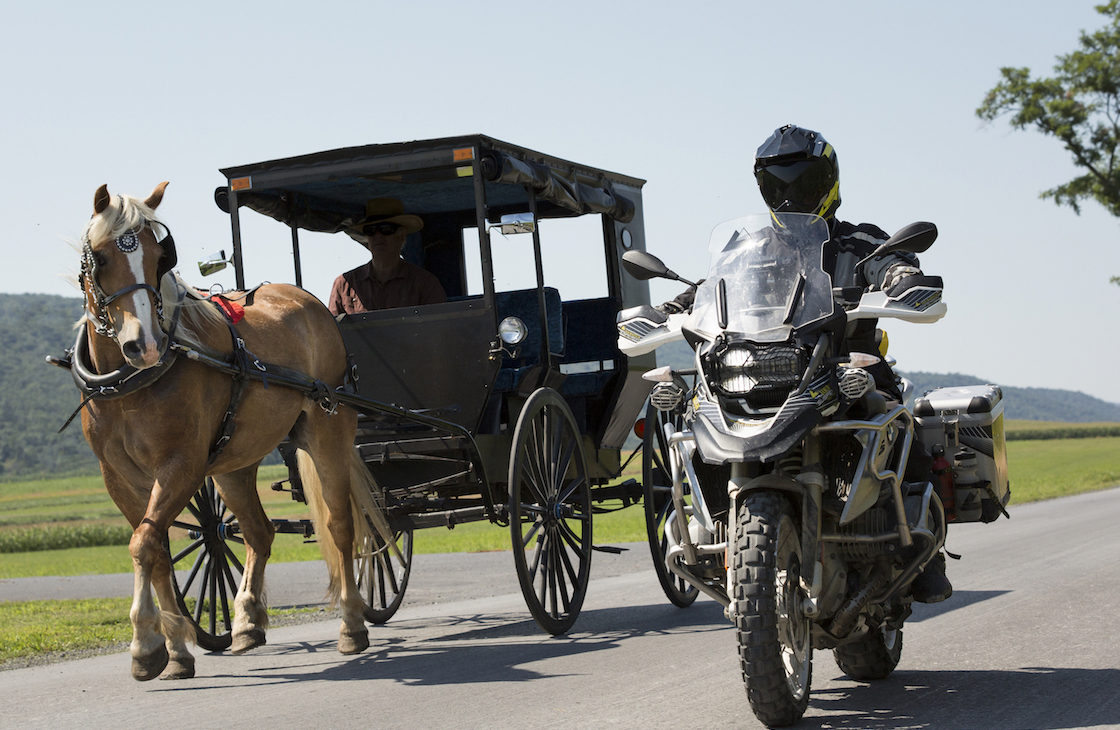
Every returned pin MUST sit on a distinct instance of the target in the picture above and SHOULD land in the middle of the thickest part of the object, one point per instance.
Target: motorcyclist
(797, 172)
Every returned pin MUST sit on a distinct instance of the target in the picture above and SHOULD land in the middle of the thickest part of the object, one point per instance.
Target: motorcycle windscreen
(772, 274)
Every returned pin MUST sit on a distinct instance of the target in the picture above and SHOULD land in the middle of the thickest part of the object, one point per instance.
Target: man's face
(385, 238)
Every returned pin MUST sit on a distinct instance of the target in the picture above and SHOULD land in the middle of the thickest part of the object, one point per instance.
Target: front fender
(780, 434)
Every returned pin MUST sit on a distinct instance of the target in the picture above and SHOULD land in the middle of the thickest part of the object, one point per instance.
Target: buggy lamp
(512, 331)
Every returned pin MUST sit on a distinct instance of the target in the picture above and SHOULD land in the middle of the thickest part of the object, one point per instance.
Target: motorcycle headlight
(741, 369)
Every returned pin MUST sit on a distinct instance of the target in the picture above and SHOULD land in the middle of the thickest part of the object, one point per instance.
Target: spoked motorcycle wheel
(872, 657)
(205, 596)
(657, 501)
(775, 641)
(550, 511)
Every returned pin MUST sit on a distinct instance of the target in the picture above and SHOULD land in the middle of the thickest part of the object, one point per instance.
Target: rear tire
(872, 657)
(775, 637)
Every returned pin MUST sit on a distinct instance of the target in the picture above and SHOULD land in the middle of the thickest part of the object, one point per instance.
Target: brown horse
(156, 443)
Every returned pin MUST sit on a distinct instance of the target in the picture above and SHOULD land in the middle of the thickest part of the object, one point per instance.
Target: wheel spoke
(200, 606)
(194, 572)
(527, 537)
(187, 550)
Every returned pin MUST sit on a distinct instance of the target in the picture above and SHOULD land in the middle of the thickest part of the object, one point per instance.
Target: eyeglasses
(385, 229)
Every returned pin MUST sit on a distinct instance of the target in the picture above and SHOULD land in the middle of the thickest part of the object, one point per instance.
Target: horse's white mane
(124, 213)
(197, 312)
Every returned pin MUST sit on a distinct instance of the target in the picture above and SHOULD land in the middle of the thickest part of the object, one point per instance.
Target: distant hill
(1031, 404)
(36, 398)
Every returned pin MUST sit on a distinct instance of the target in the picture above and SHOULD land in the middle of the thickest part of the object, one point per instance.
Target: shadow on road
(480, 648)
(959, 599)
(1030, 697)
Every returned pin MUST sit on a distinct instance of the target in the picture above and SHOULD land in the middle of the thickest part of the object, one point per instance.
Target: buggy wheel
(213, 571)
(550, 511)
(382, 574)
(657, 500)
(775, 637)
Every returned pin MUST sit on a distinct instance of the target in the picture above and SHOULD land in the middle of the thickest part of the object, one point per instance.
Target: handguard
(643, 329)
(912, 298)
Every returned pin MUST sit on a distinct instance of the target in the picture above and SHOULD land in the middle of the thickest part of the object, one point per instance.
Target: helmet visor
(796, 187)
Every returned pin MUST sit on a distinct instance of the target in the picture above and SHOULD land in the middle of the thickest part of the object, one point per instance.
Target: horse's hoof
(251, 639)
(353, 643)
(179, 669)
(150, 667)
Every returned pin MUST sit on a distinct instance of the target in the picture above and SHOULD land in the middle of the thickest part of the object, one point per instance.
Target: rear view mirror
(213, 263)
(644, 266)
(915, 238)
(516, 223)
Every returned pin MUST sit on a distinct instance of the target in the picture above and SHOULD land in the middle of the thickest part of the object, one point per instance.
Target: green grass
(1058, 468)
(34, 628)
(31, 628)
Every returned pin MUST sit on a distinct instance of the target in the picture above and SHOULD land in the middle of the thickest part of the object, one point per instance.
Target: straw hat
(387, 210)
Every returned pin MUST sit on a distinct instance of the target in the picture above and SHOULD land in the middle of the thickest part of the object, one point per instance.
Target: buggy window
(572, 256)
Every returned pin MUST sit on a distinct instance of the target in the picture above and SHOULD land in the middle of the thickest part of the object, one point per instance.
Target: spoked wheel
(657, 491)
(382, 574)
(206, 594)
(550, 511)
(775, 642)
(872, 657)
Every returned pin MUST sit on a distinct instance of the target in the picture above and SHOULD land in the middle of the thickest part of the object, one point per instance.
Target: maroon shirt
(359, 291)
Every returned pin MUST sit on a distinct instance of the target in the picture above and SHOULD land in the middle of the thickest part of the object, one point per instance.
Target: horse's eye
(100, 259)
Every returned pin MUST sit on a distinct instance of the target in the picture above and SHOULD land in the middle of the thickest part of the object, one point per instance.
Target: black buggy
(507, 404)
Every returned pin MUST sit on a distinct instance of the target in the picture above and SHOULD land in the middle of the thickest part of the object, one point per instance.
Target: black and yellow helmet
(797, 172)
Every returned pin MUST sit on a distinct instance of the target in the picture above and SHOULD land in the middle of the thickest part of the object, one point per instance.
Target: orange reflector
(640, 428)
(241, 183)
(463, 153)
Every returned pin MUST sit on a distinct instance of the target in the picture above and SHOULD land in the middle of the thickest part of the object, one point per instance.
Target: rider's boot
(932, 585)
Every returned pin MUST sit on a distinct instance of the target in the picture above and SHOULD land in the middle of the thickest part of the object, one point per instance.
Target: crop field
(71, 527)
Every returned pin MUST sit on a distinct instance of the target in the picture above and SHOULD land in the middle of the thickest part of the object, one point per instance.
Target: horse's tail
(366, 512)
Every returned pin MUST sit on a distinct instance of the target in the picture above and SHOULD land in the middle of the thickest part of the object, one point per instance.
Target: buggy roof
(327, 191)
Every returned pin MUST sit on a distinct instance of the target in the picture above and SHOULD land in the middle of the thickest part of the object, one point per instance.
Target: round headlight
(512, 330)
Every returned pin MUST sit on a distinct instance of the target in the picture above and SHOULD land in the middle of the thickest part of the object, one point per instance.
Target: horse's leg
(151, 636)
(148, 649)
(177, 630)
(239, 491)
(149, 654)
(328, 441)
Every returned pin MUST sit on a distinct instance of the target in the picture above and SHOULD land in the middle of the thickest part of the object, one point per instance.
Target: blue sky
(130, 94)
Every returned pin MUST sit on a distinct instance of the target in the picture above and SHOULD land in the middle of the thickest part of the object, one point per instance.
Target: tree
(1079, 106)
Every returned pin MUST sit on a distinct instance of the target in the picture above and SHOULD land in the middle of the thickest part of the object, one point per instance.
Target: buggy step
(612, 549)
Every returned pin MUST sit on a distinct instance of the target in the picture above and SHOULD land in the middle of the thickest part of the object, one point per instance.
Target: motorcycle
(799, 495)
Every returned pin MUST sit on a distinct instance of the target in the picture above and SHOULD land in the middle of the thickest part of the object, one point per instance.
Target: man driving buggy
(797, 172)
(388, 280)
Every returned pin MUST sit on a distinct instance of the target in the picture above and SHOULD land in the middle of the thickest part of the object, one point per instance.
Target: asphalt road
(1029, 640)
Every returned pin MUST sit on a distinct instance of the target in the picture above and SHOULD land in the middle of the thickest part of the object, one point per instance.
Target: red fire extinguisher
(943, 482)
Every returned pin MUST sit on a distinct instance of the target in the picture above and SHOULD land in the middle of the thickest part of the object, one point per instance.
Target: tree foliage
(36, 398)
(1079, 106)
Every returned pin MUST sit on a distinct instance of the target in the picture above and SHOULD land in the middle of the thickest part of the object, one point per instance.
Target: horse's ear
(156, 196)
(101, 199)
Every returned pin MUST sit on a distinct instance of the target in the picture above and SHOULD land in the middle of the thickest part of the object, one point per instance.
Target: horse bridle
(127, 242)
